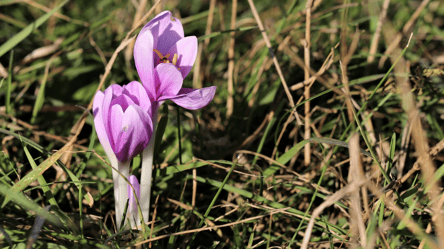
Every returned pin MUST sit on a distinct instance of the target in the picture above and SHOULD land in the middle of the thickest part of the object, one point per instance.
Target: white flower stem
(116, 190)
(115, 164)
(147, 169)
(122, 191)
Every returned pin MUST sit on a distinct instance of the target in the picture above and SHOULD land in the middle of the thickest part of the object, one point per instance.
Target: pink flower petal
(165, 28)
(143, 57)
(168, 80)
(135, 133)
(123, 101)
(106, 104)
(186, 50)
(115, 126)
(100, 125)
(138, 94)
(117, 89)
(97, 104)
(193, 99)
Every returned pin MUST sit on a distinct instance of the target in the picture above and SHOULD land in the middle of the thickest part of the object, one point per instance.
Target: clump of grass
(326, 129)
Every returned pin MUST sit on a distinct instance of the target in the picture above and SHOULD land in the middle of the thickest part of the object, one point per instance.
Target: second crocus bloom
(122, 118)
(164, 57)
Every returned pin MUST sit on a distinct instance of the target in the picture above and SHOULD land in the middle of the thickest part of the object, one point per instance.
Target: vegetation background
(326, 129)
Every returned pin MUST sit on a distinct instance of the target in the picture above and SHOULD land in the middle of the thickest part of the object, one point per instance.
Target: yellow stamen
(175, 59)
(164, 59)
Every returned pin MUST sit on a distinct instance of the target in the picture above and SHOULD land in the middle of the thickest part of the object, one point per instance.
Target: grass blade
(8, 86)
(213, 201)
(29, 205)
(19, 37)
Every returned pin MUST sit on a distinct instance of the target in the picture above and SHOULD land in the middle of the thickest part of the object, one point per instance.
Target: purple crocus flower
(163, 58)
(122, 117)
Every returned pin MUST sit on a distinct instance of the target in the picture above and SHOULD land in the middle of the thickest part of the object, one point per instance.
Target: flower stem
(115, 164)
(178, 134)
(122, 191)
(147, 169)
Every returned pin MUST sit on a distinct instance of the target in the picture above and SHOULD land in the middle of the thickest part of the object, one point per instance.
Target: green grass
(239, 180)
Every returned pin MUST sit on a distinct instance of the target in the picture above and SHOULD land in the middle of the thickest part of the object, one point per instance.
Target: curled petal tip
(194, 99)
